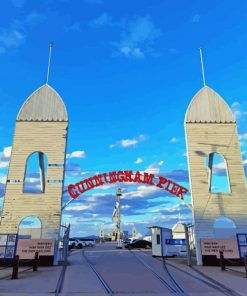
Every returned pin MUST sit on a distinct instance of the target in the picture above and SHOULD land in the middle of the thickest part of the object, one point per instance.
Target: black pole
(222, 261)
(35, 261)
(15, 268)
(186, 229)
(245, 264)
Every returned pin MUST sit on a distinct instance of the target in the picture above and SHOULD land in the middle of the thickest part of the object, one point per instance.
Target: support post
(15, 268)
(119, 243)
(222, 261)
(187, 245)
(35, 261)
(245, 264)
(66, 243)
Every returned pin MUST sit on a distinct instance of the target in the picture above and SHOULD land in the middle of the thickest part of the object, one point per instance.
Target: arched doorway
(30, 227)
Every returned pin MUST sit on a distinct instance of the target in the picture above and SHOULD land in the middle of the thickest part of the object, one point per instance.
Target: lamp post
(119, 243)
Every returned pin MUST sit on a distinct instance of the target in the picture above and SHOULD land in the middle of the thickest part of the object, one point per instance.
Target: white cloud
(7, 151)
(5, 157)
(106, 186)
(220, 166)
(174, 140)
(10, 38)
(139, 160)
(125, 207)
(238, 111)
(4, 164)
(141, 191)
(34, 18)
(154, 168)
(76, 26)
(126, 143)
(132, 52)
(196, 18)
(79, 207)
(245, 162)
(243, 137)
(77, 154)
(137, 38)
(103, 19)
(3, 179)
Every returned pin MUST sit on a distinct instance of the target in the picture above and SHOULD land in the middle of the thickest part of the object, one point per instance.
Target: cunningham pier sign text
(75, 190)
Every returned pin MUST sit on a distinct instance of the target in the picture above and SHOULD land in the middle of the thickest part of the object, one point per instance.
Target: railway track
(105, 285)
(174, 289)
(173, 286)
(59, 286)
(167, 278)
(60, 282)
(210, 282)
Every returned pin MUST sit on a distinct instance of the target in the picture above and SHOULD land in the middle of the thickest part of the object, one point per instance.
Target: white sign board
(26, 248)
(214, 246)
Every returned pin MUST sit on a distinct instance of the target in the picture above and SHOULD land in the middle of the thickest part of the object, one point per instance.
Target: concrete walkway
(29, 282)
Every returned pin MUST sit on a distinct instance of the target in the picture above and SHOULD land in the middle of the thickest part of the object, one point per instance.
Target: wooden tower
(211, 128)
(41, 126)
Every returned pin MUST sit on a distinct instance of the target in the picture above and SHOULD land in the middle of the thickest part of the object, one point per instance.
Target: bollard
(245, 264)
(35, 261)
(222, 261)
(15, 268)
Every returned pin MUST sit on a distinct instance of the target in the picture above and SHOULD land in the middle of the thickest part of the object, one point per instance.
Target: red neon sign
(75, 190)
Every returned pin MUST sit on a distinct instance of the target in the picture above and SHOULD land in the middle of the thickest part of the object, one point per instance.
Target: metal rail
(209, 281)
(173, 290)
(227, 291)
(179, 288)
(101, 279)
(60, 282)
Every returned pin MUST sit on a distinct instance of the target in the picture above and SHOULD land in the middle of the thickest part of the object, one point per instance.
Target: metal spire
(49, 63)
(203, 76)
(179, 216)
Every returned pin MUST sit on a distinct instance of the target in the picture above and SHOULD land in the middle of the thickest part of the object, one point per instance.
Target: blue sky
(126, 71)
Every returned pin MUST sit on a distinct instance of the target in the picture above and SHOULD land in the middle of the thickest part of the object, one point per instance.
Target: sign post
(187, 245)
(119, 243)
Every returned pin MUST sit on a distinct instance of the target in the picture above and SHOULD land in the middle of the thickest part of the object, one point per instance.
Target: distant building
(148, 236)
(178, 231)
(125, 233)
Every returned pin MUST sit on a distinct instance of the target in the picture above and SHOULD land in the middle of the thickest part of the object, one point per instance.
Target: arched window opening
(30, 227)
(35, 174)
(217, 173)
(224, 228)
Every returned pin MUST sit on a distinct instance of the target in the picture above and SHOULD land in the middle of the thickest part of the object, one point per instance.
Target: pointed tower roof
(44, 104)
(208, 107)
